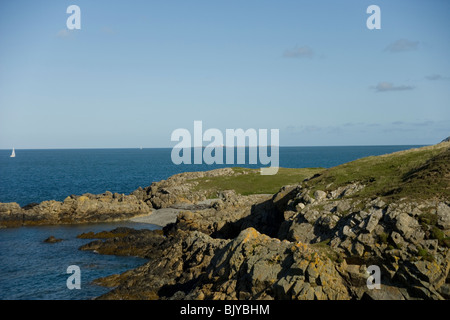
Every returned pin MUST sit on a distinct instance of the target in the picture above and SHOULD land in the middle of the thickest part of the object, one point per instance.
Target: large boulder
(255, 266)
(409, 227)
(443, 214)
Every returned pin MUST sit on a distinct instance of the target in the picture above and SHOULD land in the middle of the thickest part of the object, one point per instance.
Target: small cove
(34, 270)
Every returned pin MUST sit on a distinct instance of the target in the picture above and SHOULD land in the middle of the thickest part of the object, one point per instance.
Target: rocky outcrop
(52, 239)
(124, 241)
(193, 265)
(256, 266)
(296, 244)
(408, 240)
(74, 209)
(173, 267)
(178, 189)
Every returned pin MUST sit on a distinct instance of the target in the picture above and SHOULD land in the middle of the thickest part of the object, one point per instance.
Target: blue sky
(137, 70)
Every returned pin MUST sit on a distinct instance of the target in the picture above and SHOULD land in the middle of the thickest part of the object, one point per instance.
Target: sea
(33, 270)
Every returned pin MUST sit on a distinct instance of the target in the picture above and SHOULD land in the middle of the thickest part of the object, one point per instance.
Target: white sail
(13, 154)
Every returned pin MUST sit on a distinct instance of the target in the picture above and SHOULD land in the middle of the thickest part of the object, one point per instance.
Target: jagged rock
(408, 227)
(52, 239)
(11, 214)
(443, 213)
(307, 199)
(327, 222)
(74, 209)
(397, 239)
(303, 232)
(310, 215)
(348, 231)
(319, 195)
(300, 206)
(432, 272)
(355, 274)
(358, 249)
(378, 203)
(384, 293)
(271, 265)
(372, 222)
(251, 266)
(431, 245)
(366, 239)
(343, 206)
(444, 290)
(124, 241)
(179, 188)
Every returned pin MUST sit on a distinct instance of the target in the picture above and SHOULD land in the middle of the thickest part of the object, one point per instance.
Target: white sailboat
(13, 154)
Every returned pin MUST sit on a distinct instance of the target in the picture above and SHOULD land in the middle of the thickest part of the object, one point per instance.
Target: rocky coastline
(284, 248)
(86, 208)
(312, 240)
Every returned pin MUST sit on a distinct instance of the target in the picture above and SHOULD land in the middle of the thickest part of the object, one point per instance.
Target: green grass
(384, 238)
(422, 173)
(428, 221)
(416, 173)
(250, 181)
(425, 254)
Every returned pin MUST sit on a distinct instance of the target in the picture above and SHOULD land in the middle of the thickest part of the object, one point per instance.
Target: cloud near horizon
(402, 45)
(108, 30)
(64, 33)
(311, 128)
(436, 77)
(299, 52)
(388, 86)
(332, 131)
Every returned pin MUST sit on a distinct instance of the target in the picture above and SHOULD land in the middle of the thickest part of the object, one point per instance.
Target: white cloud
(299, 52)
(402, 45)
(435, 77)
(108, 30)
(64, 33)
(387, 86)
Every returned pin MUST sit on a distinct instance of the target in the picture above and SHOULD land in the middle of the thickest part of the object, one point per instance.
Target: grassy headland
(421, 173)
(250, 181)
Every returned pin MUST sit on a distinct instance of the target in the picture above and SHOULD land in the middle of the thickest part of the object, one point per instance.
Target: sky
(138, 70)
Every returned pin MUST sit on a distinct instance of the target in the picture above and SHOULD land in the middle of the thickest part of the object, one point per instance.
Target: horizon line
(220, 146)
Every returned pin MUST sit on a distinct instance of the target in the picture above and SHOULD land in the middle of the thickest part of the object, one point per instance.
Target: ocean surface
(31, 269)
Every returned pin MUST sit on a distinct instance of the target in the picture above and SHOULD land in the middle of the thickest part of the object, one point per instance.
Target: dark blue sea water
(31, 269)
